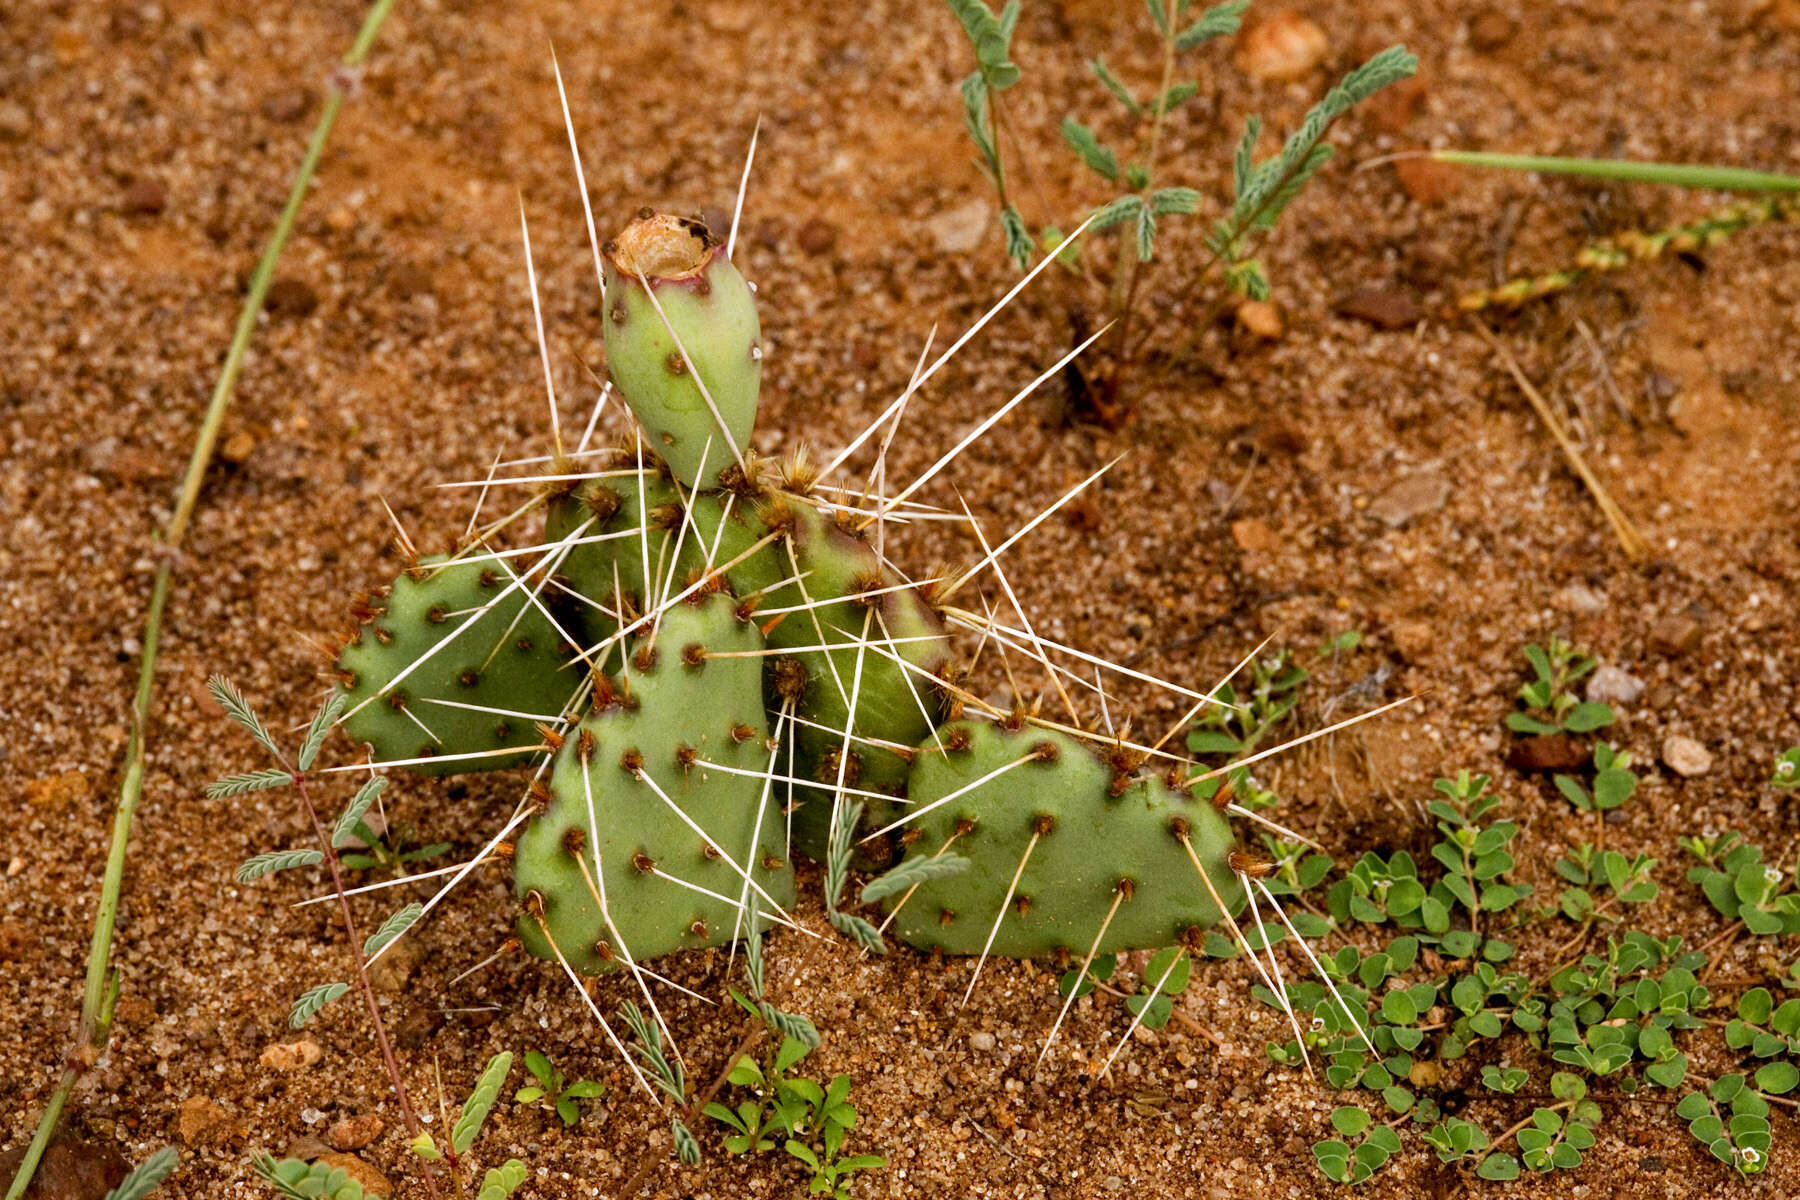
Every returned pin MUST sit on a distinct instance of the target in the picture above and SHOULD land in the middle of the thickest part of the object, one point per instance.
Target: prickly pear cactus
(1059, 845)
(454, 660)
(635, 538)
(659, 824)
(858, 609)
(748, 664)
(683, 343)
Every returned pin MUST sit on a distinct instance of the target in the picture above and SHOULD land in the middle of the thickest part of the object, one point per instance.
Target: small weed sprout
(1139, 199)
(808, 1121)
(555, 1092)
(147, 1176)
(1550, 704)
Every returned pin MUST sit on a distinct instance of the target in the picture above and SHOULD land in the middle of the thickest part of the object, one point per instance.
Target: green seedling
(555, 1092)
(1082, 980)
(1614, 782)
(1601, 879)
(498, 1182)
(1345, 1163)
(1785, 776)
(1766, 1030)
(1165, 977)
(806, 1120)
(1741, 887)
(1550, 706)
(1139, 200)
(1732, 1121)
(819, 1143)
(389, 851)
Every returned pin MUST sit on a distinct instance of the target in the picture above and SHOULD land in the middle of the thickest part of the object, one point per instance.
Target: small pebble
(1381, 308)
(201, 1119)
(1685, 756)
(1548, 752)
(1410, 497)
(288, 104)
(237, 447)
(981, 1040)
(15, 122)
(144, 198)
(353, 1133)
(1261, 319)
(1426, 180)
(1582, 600)
(374, 1182)
(292, 1056)
(290, 298)
(818, 236)
(1490, 30)
(1283, 46)
(1255, 536)
(961, 229)
(1675, 636)
(1614, 685)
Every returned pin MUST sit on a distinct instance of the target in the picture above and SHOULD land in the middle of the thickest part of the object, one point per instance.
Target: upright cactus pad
(848, 593)
(683, 729)
(676, 307)
(1086, 834)
(641, 535)
(472, 661)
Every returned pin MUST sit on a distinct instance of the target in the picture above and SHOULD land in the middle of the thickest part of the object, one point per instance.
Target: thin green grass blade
(1690, 175)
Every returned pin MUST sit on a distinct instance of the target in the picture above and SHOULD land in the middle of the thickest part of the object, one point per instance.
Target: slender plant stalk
(1131, 271)
(1630, 540)
(362, 975)
(1694, 175)
(96, 1023)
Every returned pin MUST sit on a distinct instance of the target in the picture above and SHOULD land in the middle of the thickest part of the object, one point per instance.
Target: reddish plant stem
(362, 973)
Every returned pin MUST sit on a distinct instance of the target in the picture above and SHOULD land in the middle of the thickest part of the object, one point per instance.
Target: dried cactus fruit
(683, 343)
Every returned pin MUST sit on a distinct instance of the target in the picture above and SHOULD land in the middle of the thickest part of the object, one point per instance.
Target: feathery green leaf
(1081, 139)
(277, 860)
(480, 1102)
(239, 710)
(147, 1176)
(312, 1000)
(1218, 21)
(911, 873)
(1111, 83)
(249, 781)
(345, 830)
(321, 725)
(392, 928)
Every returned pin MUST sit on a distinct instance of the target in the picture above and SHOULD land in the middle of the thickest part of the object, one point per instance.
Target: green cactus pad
(477, 641)
(708, 311)
(1088, 842)
(676, 709)
(841, 570)
(719, 528)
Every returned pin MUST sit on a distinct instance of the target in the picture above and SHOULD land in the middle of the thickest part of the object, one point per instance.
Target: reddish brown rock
(1548, 752)
(1426, 180)
(1380, 307)
(374, 1182)
(1675, 636)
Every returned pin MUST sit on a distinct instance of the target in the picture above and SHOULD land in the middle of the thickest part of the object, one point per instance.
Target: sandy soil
(144, 149)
